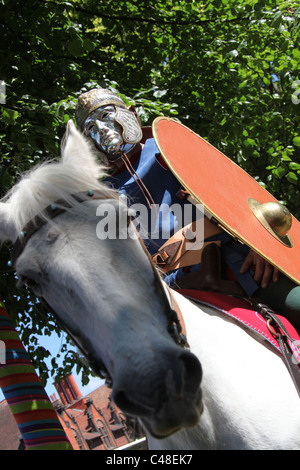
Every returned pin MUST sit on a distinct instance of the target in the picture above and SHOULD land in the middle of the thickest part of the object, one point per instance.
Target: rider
(139, 173)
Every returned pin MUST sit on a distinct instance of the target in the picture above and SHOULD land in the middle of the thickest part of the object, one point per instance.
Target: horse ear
(76, 151)
(8, 229)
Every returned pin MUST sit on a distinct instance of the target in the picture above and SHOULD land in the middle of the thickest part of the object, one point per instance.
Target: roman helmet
(103, 116)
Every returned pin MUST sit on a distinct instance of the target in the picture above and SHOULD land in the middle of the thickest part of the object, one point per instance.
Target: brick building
(92, 422)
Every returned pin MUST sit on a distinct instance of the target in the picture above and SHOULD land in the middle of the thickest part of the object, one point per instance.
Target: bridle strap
(176, 323)
(175, 307)
(50, 212)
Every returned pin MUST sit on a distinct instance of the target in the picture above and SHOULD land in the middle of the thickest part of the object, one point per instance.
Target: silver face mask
(103, 127)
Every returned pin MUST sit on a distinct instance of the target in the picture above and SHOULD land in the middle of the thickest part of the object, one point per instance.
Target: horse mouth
(172, 417)
(168, 399)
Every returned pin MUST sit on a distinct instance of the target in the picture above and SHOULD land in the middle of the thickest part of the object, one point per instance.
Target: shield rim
(215, 216)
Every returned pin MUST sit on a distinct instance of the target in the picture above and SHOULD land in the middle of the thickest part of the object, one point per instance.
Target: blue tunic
(157, 227)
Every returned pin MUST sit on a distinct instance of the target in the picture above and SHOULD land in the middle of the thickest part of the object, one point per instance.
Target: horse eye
(31, 283)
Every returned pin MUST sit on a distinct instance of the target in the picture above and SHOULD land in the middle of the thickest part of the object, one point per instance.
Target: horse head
(80, 253)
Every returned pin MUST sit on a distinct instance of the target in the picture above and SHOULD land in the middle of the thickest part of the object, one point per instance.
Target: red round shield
(224, 189)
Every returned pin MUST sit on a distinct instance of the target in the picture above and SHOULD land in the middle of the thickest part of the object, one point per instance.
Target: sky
(53, 344)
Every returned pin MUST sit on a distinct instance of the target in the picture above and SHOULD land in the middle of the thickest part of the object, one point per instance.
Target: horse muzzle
(166, 400)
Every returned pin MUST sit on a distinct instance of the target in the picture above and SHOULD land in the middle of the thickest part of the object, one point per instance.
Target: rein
(175, 327)
(280, 333)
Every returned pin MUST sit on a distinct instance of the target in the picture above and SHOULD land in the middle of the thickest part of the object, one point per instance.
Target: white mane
(56, 180)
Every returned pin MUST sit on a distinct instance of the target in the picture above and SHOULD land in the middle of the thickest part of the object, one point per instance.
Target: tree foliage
(227, 69)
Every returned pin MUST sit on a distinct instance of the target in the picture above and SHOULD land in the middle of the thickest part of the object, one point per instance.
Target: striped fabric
(33, 412)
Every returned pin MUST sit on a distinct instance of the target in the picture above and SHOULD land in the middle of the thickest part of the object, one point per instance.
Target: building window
(104, 434)
(77, 438)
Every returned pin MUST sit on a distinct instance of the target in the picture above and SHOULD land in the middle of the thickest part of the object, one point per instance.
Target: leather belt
(186, 246)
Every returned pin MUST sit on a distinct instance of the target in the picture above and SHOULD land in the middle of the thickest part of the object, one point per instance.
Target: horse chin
(165, 422)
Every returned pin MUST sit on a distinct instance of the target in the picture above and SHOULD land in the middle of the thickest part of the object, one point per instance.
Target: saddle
(259, 321)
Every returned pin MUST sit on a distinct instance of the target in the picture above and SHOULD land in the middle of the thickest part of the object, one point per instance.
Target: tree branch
(140, 19)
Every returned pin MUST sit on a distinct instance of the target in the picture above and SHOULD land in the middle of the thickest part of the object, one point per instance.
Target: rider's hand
(264, 271)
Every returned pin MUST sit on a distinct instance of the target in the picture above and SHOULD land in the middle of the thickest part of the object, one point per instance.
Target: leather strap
(49, 213)
(209, 276)
(182, 249)
(176, 326)
(175, 307)
(280, 333)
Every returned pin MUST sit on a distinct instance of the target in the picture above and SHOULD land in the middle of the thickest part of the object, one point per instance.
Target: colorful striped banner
(30, 405)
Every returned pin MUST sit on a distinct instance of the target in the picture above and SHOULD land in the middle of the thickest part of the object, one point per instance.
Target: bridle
(49, 213)
(175, 325)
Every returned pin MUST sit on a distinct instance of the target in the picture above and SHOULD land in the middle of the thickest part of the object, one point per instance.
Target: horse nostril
(122, 401)
(192, 372)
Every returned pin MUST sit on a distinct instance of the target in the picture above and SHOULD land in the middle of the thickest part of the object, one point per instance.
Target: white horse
(108, 296)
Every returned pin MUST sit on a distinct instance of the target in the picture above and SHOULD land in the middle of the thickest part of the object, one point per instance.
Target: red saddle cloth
(241, 312)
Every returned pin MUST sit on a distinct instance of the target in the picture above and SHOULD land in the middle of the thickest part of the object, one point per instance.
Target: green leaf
(160, 93)
(296, 54)
(279, 172)
(243, 84)
(10, 116)
(292, 177)
(76, 47)
(294, 166)
(88, 45)
(296, 141)
(249, 142)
